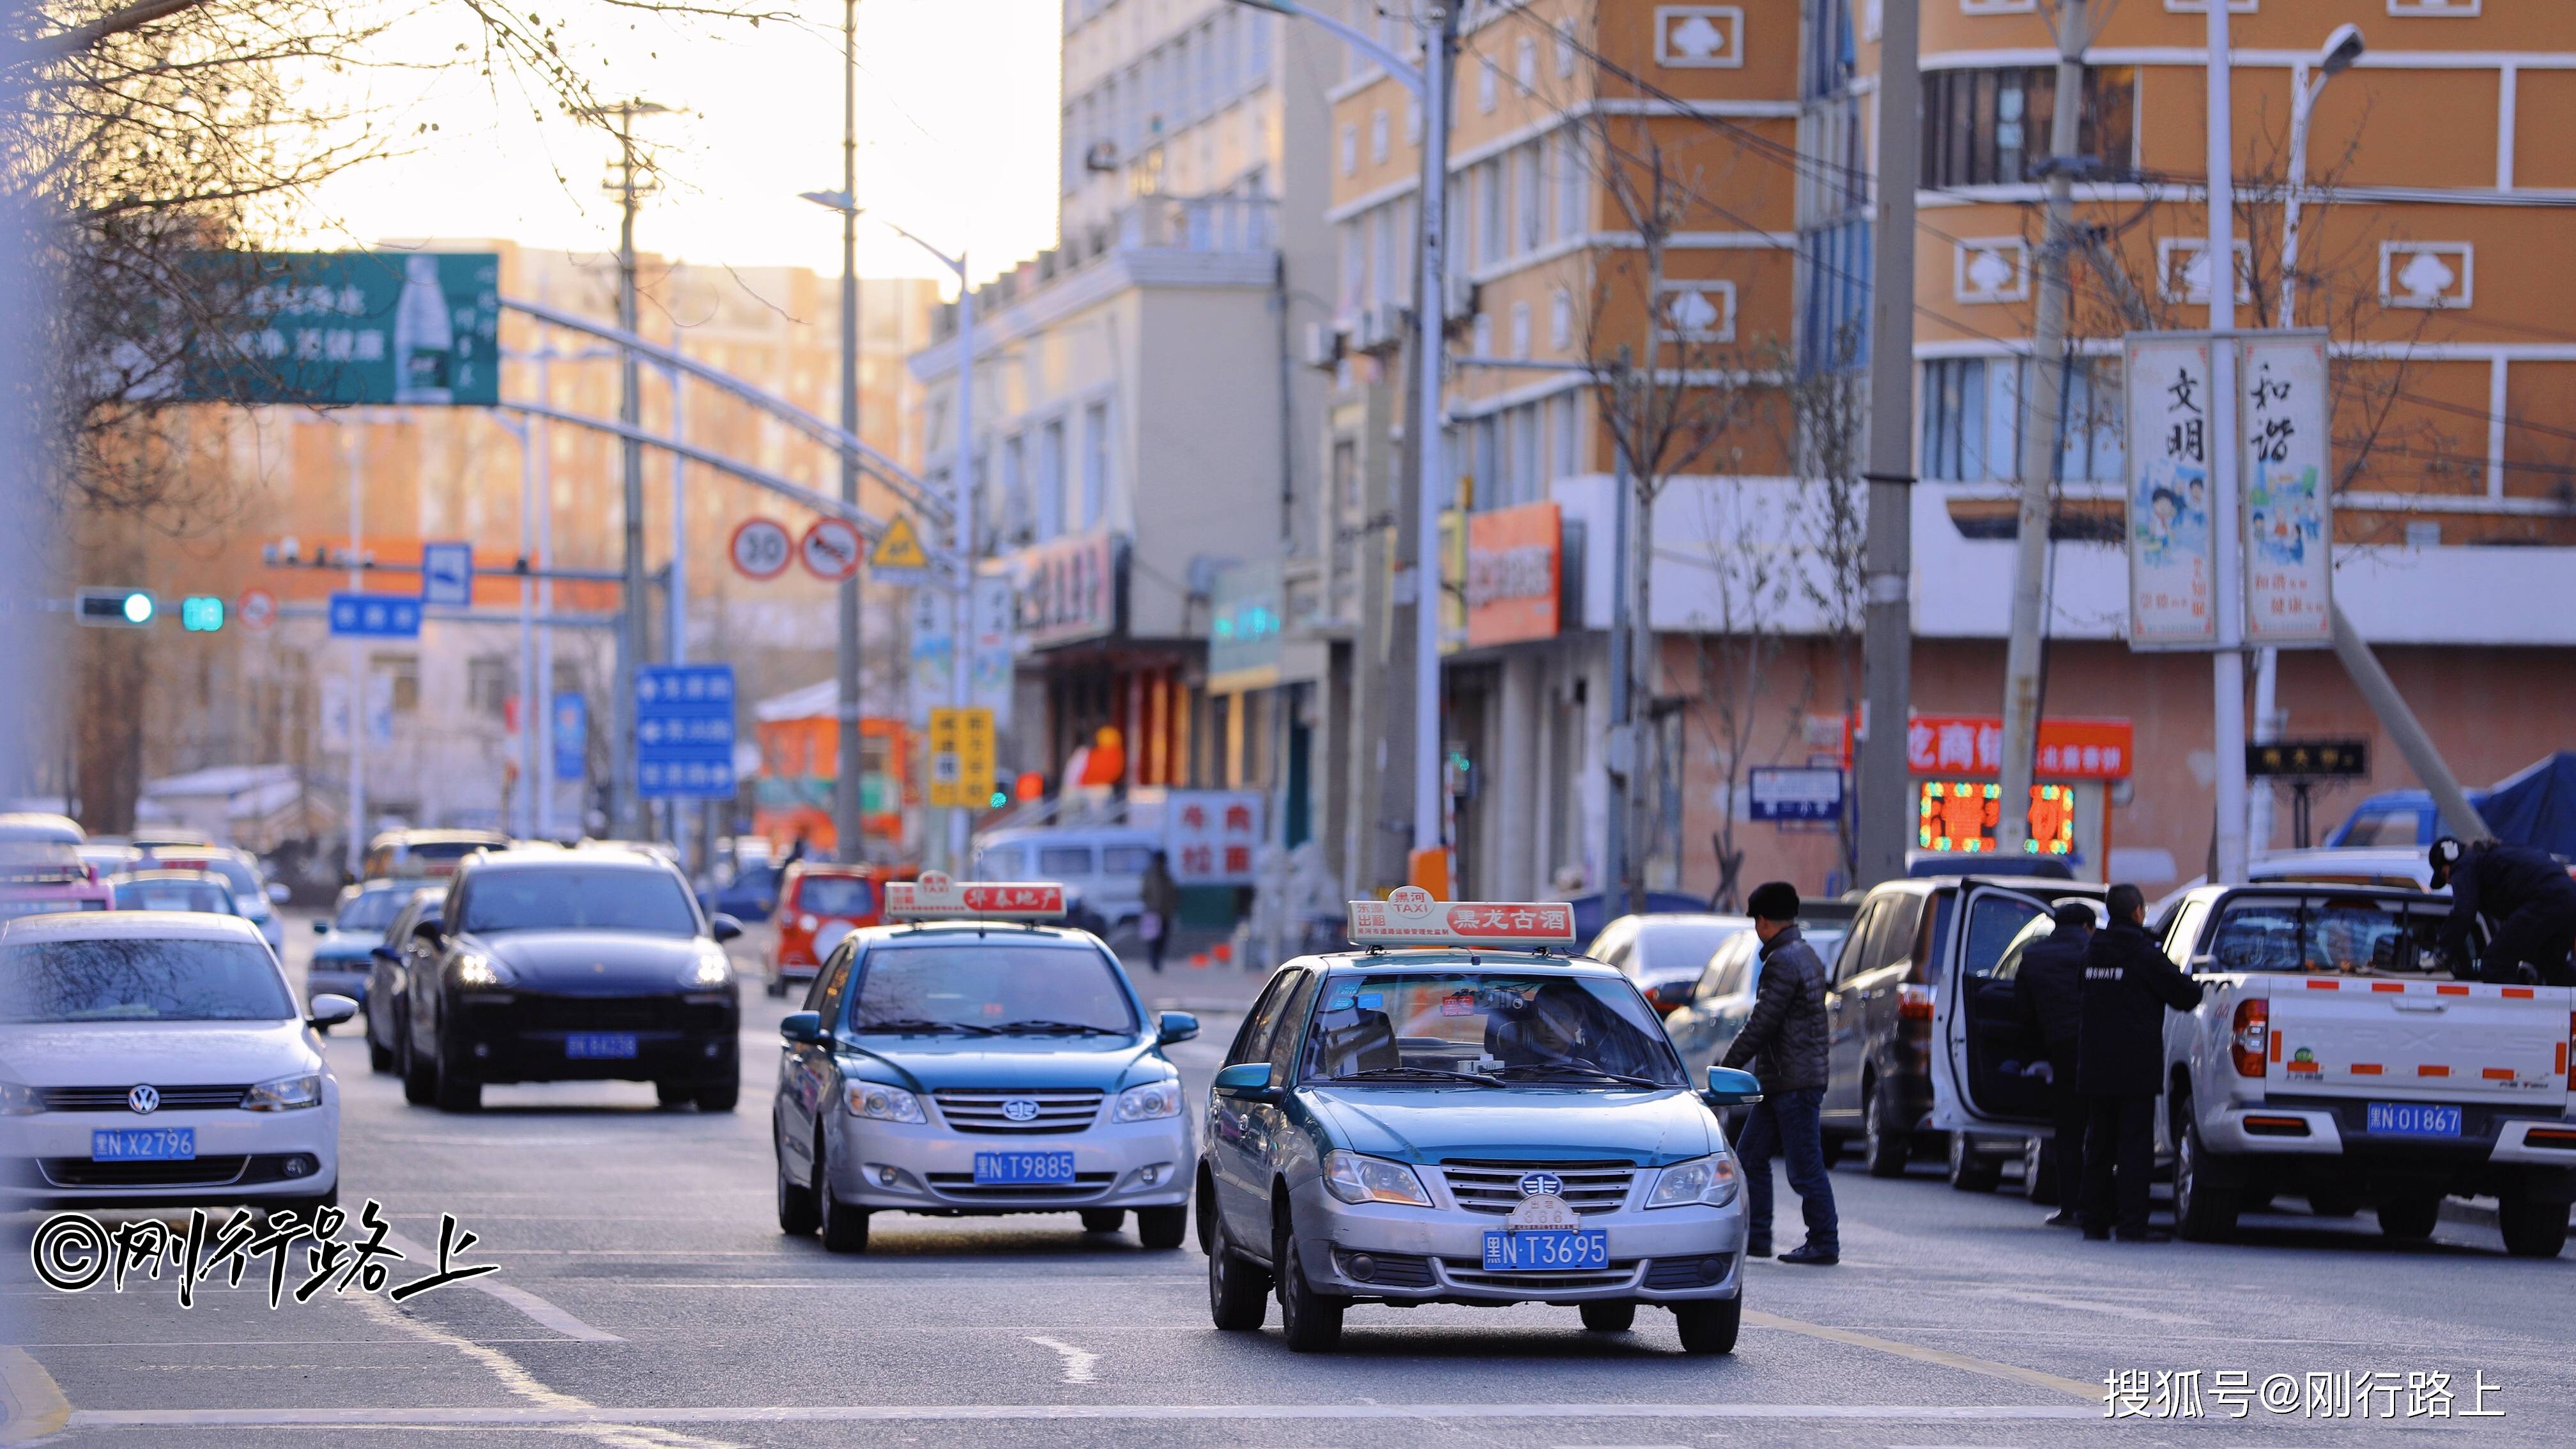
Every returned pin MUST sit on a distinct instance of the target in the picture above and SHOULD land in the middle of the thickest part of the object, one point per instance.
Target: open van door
(1976, 1018)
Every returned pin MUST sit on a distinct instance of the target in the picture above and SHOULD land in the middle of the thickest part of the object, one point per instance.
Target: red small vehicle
(818, 903)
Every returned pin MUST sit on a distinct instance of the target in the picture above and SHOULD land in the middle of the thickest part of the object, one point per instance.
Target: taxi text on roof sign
(1410, 917)
(939, 897)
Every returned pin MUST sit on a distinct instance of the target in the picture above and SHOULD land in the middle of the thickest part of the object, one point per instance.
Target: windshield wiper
(1055, 1028)
(1577, 1069)
(913, 1025)
(1415, 1074)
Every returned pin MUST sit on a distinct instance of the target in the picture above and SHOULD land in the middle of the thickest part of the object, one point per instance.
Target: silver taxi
(1456, 1113)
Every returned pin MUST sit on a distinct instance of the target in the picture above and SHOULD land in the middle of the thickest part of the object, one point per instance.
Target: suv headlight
(476, 971)
(1152, 1100)
(286, 1094)
(1712, 1181)
(1357, 1179)
(884, 1103)
(17, 1099)
(709, 971)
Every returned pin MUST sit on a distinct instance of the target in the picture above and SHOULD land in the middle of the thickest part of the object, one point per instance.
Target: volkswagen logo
(1020, 1109)
(1542, 1184)
(144, 1099)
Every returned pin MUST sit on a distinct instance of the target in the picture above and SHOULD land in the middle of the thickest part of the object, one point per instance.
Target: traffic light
(201, 614)
(115, 608)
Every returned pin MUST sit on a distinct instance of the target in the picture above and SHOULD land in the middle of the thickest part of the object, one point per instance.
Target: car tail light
(2252, 1033)
(1914, 1003)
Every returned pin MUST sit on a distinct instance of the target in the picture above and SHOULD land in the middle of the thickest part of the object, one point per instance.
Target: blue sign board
(374, 616)
(684, 732)
(447, 575)
(571, 736)
(1805, 792)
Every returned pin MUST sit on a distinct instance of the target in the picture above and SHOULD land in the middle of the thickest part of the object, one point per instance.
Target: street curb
(31, 1403)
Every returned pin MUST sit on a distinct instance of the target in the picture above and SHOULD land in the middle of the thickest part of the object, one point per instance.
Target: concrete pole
(352, 447)
(1884, 815)
(961, 661)
(543, 433)
(846, 655)
(1423, 423)
(532, 710)
(675, 627)
(2458, 817)
(2227, 586)
(627, 810)
(1617, 872)
(2044, 390)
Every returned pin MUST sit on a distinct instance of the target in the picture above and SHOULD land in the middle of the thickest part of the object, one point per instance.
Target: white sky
(957, 138)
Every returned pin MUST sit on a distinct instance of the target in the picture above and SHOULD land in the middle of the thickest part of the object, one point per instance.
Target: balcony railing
(1232, 225)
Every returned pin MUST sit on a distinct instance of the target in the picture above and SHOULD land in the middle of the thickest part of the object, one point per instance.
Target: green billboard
(346, 327)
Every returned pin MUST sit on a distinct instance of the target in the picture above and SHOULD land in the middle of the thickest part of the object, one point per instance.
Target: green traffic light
(138, 608)
(1000, 799)
(201, 614)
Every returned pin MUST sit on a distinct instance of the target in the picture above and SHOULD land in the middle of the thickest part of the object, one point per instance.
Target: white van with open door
(1982, 1093)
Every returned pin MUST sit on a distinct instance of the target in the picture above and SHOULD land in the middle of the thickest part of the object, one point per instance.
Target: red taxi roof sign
(1410, 917)
(938, 897)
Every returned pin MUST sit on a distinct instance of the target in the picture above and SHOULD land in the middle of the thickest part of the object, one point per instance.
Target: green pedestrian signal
(201, 614)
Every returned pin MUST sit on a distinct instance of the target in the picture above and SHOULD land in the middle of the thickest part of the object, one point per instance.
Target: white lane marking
(431, 1416)
(2088, 1305)
(521, 1299)
(1077, 1362)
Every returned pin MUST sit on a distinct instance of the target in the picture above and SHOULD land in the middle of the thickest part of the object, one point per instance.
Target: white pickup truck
(2331, 1056)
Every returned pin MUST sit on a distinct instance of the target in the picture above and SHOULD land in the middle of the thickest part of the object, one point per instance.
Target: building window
(1350, 147)
(490, 682)
(1972, 413)
(1520, 329)
(1377, 136)
(1832, 60)
(1570, 191)
(1382, 283)
(1050, 486)
(1561, 424)
(1990, 127)
(1525, 64)
(1354, 267)
(1413, 122)
(1485, 97)
(1834, 271)
(1565, 48)
(402, 673)
(1490, 244)
(1482, 334)
(1560, 319)
(1095, 466)
(1529, 199)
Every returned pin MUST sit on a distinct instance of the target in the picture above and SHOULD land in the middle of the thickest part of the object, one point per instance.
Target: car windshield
(989, 986)
(237, 875)
(174, 895)
(371, 910)
(118, 979)
(576, 898)
(2343, 935)
(836, 895)
(1496, 1026)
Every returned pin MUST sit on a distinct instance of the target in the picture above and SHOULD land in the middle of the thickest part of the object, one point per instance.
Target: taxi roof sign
(1410, 917)
(938, 897)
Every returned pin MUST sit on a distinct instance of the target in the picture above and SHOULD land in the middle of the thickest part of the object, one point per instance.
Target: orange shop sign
(1973, 745)
(1514, 562)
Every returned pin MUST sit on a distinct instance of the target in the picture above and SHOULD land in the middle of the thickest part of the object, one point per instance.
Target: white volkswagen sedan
(157, 1058)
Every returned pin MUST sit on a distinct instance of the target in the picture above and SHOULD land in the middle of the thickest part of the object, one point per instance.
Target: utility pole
(627, 809)
(544, 686)
(2045, 391)
(1884, 814)
(961, 620)
(2227, 592)
(351, 450)
(1424, 421)
(846, 825)
(1617, 874)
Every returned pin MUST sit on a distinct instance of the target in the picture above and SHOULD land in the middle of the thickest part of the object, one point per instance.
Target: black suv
(1879, 1005)
(572, 965)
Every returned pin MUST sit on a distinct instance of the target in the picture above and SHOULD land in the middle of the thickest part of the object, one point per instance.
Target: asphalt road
(645, 1298)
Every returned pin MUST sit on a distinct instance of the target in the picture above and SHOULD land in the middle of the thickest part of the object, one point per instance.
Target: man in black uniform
(2526, 895)
(2120, 1058)
(2052, 1010)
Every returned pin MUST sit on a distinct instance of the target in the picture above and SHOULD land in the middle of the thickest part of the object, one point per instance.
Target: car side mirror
(802, 1028)
(1728, 1087)
(277, 892)
(322, 927)
(723, 927)
(429, 932)
(1176, 1026)
(329, 1009)
(1244, 1079)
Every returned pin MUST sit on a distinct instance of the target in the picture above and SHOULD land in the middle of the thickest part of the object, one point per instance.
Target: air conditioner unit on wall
(1323, 344)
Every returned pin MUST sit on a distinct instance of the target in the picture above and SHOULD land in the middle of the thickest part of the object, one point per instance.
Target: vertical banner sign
(2171, 600)
(571, 736)
(2288, 472)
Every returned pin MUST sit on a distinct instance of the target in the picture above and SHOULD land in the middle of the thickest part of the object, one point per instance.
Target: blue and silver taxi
(974, 1061)
(1458, 1113)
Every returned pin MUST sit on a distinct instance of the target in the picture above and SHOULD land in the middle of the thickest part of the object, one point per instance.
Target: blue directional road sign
(684, 731)
(1796, 793)
(447, 575)
(374, 616)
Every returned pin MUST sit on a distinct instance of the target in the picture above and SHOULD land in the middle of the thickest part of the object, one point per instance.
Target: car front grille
(1495, 1187)
(196, 1172)
(962, 1187)
(1472, 1274)
(112, 1099)
(984, 1109)
(604, 1013)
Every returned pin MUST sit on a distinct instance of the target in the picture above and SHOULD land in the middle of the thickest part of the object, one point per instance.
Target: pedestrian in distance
(2528, 901)
(2119, 1065)
(2052, 1009)
(1160, 896)
(1786, 1038)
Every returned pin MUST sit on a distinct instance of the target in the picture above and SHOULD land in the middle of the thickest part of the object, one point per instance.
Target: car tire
(719, 1096)
(1161, 1229)
(380, 1059)
(456, 1091)
(1311, 1320)
(1885, 1147)
(798, 1213)
(2410, 1218)
(2039, 1181)
(1609, 1317)
(2204, 1188)
(1971, 1170)
(2333, 1202)
(844, 1228)
(1708, 1326)
(419, 1074)
(668, 1093)
(1238, 1288)
(2532, 1229)
(1103, 1220)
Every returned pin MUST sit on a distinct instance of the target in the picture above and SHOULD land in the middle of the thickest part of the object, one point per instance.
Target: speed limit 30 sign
(762, 548)
(830, 550)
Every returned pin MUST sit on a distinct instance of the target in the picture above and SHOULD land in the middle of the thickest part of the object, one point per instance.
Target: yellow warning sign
(898, 551)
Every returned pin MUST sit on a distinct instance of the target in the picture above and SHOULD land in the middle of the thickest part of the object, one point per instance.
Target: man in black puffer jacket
(1786, 1039)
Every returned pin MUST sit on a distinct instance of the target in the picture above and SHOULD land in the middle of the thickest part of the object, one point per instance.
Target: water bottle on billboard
(424, 340)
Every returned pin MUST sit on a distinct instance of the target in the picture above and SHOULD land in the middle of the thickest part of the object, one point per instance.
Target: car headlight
(884, 1103)
(1711, 1181)
(1152, 1100)
(807, 922)
(476, 971)
(709, 971)
(286, 1094)
(17, 1099)
(1357, 1179)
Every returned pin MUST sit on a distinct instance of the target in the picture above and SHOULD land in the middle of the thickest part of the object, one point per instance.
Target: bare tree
(1830, 410)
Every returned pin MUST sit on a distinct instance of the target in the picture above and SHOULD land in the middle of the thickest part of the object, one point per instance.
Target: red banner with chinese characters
(1973, 745)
